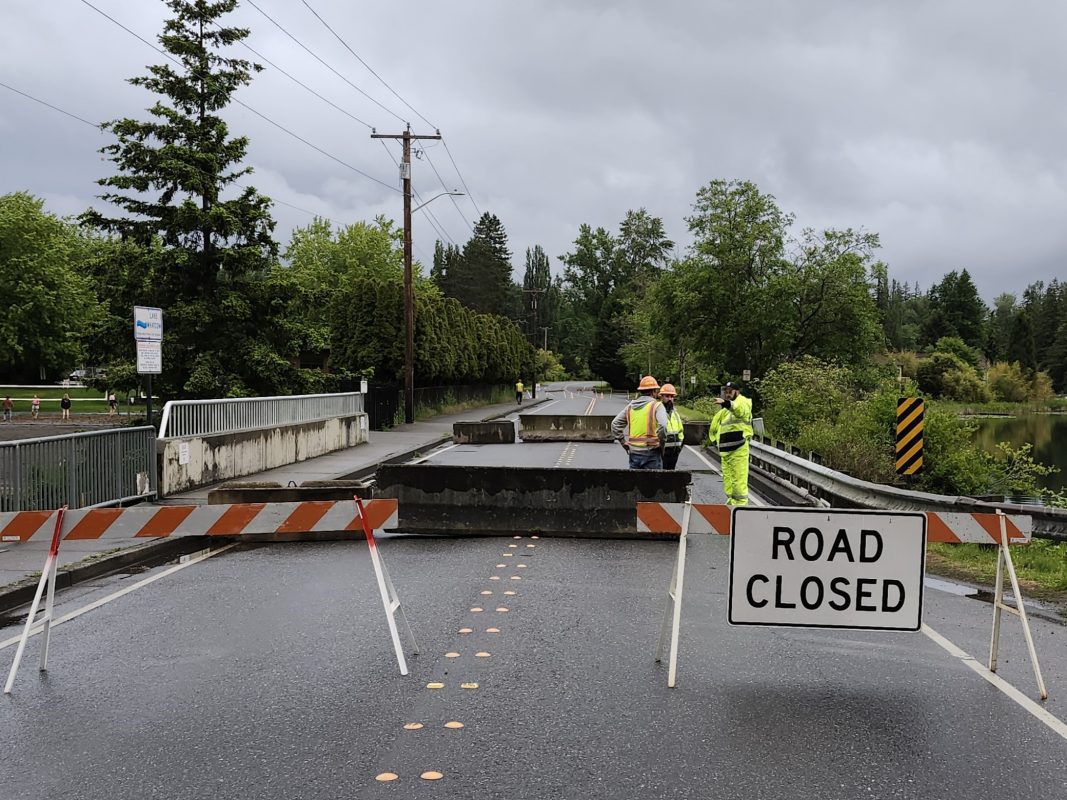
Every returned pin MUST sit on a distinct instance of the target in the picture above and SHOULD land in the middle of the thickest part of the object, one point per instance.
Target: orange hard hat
(668, 388)
(647, 382)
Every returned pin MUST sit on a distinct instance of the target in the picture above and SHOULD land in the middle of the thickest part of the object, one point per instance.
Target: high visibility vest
(675, 428)
(731, 427)
(641, 425)
(518, 386)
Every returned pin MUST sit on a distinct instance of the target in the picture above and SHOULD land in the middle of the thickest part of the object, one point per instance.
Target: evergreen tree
(481, 279)
(539, 301)
(172, 173)
(960, 310)
(1021, 345)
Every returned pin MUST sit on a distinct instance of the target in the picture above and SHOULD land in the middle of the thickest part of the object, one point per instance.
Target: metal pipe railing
(79, 470)
(185, 418)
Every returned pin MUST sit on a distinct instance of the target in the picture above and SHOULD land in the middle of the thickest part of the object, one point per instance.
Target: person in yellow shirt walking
(730, 430)
(672, 447)
(519, 389)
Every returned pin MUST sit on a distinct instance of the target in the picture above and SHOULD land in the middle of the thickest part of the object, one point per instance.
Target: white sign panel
(183, 453)
(147, 324)
(746, 375)
(820, 568)
(149, 358)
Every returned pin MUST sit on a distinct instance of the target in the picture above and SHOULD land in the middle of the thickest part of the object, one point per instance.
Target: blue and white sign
(147, 324)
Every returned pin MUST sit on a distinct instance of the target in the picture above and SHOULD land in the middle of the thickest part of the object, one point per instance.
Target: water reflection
(1046, 432)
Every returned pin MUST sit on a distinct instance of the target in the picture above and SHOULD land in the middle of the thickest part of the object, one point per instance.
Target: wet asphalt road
(268, 672)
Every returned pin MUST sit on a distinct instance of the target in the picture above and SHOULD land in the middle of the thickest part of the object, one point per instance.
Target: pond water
(1046, 432)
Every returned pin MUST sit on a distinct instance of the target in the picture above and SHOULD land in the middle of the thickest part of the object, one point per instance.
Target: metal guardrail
(184, 418)
(79, 470)
(846, 491)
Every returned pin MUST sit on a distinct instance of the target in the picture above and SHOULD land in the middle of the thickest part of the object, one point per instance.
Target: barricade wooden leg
(48, 579)
(390, 599)
(673, 612)
(1005, 562)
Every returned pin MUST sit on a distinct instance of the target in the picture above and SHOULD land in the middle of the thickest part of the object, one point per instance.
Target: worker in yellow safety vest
(672, 447)
(519, 388)
(641, 427)
(730, 430)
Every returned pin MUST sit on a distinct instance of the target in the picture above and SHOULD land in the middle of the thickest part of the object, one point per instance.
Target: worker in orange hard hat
(641, 427)
(672, 447)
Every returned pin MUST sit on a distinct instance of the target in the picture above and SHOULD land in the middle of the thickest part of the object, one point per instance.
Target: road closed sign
(822, 568)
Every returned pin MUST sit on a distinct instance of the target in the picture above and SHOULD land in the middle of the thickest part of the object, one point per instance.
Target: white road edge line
(754, 498)
(433, 454)
(1044, 715)
(116, 595)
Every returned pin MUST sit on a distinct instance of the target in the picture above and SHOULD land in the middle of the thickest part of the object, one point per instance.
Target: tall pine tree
(176, 186)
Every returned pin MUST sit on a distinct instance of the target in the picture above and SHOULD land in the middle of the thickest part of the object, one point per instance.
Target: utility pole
(409, 293)
(534, 295)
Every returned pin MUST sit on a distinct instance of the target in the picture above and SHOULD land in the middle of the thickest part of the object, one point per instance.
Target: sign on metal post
(746, 375)
(149, 358)
(147, 324)
(821, 568)
(910, 412)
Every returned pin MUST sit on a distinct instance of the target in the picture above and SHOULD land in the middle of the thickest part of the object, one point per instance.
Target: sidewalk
(20, 563)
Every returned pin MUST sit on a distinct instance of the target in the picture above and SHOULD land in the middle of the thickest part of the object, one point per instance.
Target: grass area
(1053, 404)
(690, 413)
(1040, 565)
(52, 392)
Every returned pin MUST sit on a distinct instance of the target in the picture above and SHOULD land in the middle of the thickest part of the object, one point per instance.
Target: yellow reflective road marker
(494, 577)
(451, 655)
(512, 545)
(486, 591)
(510, 593)
(482, 654)
(454, 725)
(477, 609)
(531, 545)
(535, 537)
(501, 566)
(466, 630)
(386, 776)
(502, 610)
(431, 775)
(492, 630)
(413, 726)
(468, 686)
(435, 685)
(521, 566)
(516, 537)
(516, 577)
(910, 411)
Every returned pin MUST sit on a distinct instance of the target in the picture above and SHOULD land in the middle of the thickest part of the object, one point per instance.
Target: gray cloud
(936, 124)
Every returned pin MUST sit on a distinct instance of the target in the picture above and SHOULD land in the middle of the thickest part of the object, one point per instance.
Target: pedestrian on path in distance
(641, 427)
(519, 388)
(65, 405)
(35, 407)
(730, 430)
(112, 405)
(672, 448)
(8, 406)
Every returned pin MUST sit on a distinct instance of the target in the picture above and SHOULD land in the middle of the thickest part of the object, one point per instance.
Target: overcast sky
(939, 125)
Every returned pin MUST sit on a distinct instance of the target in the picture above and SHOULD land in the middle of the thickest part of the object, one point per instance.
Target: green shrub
(798, 393)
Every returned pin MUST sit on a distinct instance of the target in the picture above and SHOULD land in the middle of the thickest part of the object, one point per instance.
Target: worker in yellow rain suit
(730, 430)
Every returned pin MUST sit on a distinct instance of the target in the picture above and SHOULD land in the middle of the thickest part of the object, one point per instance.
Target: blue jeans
(645, 459)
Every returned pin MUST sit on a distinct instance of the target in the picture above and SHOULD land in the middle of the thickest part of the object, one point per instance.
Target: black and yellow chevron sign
(910, 435)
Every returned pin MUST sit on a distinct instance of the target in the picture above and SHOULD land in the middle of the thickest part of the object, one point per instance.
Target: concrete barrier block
(267, 492)
(468, 500)
(695, 431)
(565, 428)
(489, 432)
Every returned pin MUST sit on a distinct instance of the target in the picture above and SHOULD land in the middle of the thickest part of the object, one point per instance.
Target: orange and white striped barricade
(681, 519)
(44, 624)
(235, 520)
(390, 599)
(157, 522)
(672, 612)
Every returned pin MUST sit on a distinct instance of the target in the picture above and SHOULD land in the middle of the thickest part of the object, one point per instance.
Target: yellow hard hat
(647, 382)
(668, 388)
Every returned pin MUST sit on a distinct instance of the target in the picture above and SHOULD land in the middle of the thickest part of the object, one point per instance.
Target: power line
(165, 54)
(365, 64)
(98, 128)
(54, 108)
(437, 226)
(451, 196)
(310, 52)
(298, 82)
(456, 166)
